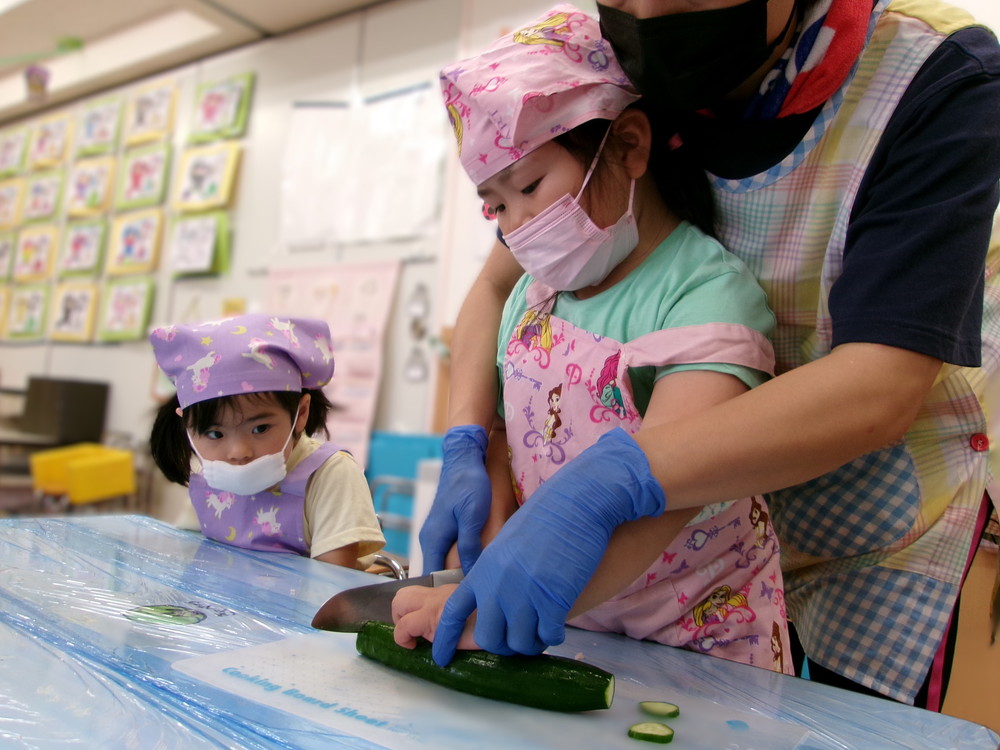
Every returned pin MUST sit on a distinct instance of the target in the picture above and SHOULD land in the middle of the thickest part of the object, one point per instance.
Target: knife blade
(348, 610)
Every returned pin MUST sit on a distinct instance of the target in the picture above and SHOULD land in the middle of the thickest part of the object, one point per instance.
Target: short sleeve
(339, 509)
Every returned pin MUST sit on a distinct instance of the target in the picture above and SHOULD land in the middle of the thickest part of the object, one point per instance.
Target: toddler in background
(249, 399)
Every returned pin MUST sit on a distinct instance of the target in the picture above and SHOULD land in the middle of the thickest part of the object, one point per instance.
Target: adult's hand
(528, 578)
(462, 501)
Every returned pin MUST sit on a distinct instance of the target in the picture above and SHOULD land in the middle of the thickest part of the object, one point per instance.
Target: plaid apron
(873, 552)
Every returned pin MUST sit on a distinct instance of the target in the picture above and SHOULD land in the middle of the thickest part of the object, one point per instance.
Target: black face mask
(688, 61)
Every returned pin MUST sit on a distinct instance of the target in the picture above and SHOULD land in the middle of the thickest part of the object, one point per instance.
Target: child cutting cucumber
(629, 315)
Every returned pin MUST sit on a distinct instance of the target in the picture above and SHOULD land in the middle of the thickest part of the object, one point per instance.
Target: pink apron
(717, 588)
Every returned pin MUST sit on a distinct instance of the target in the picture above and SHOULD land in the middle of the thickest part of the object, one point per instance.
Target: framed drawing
(71, 317)
(83, 248)
(206, 177)
(143, 177)
(11, 197)
(125, 309)
(49, 142)
(199, 243)
(98, 127)
(221, 109)
(26, 310)
(41, 196)
(8, 245)
(36, 248)
(135, 242)
(89, 190)
(12, 150)
(149, 113)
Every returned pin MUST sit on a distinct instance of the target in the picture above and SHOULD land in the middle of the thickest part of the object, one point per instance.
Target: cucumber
(660, 709)
(554, 683)
(651, 731)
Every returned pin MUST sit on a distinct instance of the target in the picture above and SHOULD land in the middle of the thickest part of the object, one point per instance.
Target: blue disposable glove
(462, 501)
(528, 578)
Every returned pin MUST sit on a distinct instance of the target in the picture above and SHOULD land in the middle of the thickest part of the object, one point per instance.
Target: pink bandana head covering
(530, 86)
(248, 353)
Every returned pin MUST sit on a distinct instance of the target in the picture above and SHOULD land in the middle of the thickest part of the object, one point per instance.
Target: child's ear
(302, 416)
(634, 131)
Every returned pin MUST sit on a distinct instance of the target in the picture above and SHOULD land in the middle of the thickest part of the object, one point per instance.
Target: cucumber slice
(661, 709)
(550, 682)
(651, 731)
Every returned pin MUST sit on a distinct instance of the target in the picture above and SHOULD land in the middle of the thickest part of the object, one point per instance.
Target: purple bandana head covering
(248, 353)
(530, 86)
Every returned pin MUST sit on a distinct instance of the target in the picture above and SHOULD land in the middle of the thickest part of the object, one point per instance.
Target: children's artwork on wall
(36, 249)
(206, 177)
(12, 150)
(4, 299)
(135, 242)
(221, 109)
(41, 196)
(49, 142)
(72, 315)
(199, 243)
(89, 190)
(26, 312)
(149, 113)
(125, 309)
(83, 248)
(11, 196)
(98, 127)
(143, 177)
(8, 246)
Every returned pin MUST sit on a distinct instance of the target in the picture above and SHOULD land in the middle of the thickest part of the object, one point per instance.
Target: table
(123, 632)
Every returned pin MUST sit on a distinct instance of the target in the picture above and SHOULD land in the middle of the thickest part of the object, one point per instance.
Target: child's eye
(531, 188)
(213, 434)
(260, 429)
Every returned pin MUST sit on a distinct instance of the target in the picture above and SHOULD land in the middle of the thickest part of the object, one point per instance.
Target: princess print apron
(717, 588)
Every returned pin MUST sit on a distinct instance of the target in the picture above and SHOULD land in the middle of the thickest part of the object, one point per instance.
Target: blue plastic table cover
(124, 632)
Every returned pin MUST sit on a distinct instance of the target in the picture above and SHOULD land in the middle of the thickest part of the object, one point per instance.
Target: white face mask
(564, 249)
(246, 479)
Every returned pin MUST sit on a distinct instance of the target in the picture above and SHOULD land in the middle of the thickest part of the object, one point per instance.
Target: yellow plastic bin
(106, 474)
(50, 468)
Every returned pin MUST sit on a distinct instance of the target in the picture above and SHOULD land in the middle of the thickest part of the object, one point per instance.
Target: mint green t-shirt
(689, 279)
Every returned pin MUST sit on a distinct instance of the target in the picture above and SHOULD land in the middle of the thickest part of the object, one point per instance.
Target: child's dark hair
(168, 442)
(682, 183)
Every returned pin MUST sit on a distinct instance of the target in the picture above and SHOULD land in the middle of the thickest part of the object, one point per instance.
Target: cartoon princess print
(720, 605)
(548, 31)
(607, 386)
(777, 652)
(759, 520)
(534, 331)
(553, 422)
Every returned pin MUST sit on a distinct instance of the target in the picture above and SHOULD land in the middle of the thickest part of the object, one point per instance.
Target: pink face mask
(564, 249)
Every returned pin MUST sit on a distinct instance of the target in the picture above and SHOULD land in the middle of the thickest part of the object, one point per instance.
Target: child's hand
(416, 611)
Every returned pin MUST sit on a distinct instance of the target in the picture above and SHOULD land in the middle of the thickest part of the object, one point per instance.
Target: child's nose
(239, 451)
(517, 217)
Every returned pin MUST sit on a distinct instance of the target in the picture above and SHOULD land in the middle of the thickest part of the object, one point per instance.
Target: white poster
(355, 300)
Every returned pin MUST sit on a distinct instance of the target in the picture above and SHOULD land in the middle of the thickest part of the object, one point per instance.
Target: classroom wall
(389, 47)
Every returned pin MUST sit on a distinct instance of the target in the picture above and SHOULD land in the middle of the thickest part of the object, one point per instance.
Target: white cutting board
(321, 677)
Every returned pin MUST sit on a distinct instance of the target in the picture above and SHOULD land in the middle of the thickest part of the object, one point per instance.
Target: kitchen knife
(347, 611)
